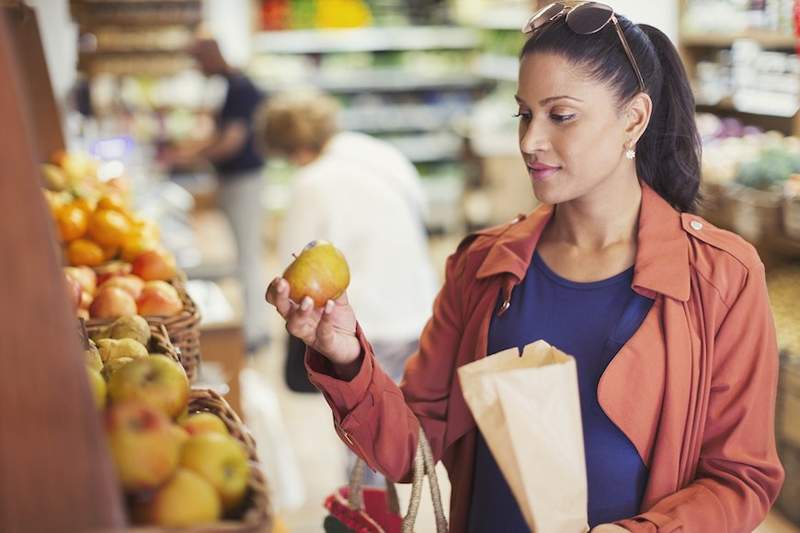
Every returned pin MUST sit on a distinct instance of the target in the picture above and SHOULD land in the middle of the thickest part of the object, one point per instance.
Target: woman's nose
(533, 139)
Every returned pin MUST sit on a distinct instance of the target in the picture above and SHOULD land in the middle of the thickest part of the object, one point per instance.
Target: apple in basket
(112, 302)
(156, 380)
(155, 264)
(145, 450)
(185, 500)
(198, 423)
(159, 298)
(129, 283)
(221, 460)
(320, 271)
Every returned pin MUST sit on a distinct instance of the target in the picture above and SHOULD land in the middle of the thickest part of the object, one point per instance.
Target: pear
(320, 271)
(93, 359)
(111, 349)
(98, 385)
(131, 327)
(112, 366)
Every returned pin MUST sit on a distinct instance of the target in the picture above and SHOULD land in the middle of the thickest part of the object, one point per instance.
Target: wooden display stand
(56, 471)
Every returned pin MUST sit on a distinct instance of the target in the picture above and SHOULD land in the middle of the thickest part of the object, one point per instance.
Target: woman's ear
(637, 116)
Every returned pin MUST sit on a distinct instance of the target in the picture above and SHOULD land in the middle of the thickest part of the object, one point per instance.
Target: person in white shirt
(366, 198)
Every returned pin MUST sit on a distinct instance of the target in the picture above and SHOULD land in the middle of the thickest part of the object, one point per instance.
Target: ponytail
(668, 154)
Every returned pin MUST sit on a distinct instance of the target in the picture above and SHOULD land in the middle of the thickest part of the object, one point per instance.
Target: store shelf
(379, 80)
(510, 18)
(398, 118)
(725, 40)
(767, 106)
(428, 148)
(497, 67)
(365, 40)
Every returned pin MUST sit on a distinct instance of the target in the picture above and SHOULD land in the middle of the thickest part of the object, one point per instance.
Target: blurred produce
(783, 284)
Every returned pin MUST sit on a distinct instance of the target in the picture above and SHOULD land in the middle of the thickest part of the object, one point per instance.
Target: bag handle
(423, 465)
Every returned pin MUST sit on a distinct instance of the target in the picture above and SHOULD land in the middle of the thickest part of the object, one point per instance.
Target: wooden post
(55, 470)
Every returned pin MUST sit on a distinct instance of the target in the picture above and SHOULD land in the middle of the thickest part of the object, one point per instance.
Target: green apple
(320, 271)
(222, 461)
(156, 380)
(145, 449)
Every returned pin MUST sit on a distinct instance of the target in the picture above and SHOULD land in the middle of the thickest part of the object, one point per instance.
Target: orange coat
(693, 389)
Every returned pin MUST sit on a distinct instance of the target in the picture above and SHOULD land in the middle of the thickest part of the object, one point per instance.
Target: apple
(129, 283)
(98, 385)
(112, 302)
(111, 270)
(157, 381)
(143, 445)
(198, 423)
(185, 500)
(181, 434)
(155, 264)
(222, 461)
(85, 276)
(74, 292)
(159, 298)
(320, 271)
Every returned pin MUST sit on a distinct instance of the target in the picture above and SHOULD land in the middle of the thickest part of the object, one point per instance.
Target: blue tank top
(590, 321)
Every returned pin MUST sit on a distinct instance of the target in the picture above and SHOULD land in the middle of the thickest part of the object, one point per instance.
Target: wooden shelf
(766, 39)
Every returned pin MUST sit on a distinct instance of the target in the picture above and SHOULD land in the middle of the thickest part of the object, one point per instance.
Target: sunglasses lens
(589, 18)
(544, 15)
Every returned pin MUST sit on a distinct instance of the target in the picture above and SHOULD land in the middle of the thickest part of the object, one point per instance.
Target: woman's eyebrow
(548, 99)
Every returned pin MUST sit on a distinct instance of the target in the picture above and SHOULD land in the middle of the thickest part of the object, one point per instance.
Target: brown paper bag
(528, 410)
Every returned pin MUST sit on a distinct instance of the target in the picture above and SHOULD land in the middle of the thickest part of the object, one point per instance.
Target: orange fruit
(136, 246)
(112, 201)
(83, 252)
(108, 227)
(72, 222)
(110, 252)
(85, 204)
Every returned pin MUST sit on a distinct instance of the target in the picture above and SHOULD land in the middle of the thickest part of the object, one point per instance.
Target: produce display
(176, 468)
(783, 285)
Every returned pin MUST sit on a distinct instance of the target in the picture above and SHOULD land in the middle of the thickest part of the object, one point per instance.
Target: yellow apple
(222, 461)
(143, 445)
(156, 380)
(320, 271)
(198, 423)
(185, 500)
(98, 385)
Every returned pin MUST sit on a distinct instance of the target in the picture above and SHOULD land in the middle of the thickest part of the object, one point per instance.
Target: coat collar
(662, 256)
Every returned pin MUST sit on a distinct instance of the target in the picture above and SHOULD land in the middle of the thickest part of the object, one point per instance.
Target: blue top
(590, 321)
(241, 102)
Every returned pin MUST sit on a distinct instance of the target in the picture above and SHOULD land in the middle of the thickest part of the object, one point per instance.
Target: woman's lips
(540, 172)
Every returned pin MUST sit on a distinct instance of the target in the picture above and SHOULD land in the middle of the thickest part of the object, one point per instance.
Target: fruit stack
(183, 458)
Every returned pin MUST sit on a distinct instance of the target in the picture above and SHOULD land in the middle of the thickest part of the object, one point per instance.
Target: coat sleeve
(378, 420)
(739, 474)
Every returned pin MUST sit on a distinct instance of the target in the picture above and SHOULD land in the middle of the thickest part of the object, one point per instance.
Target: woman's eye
(555, 117)
(523, 115)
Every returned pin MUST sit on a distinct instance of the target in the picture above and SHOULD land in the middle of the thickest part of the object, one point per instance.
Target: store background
(468, 188)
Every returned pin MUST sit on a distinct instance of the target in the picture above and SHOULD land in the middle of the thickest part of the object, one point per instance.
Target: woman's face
(571, 133)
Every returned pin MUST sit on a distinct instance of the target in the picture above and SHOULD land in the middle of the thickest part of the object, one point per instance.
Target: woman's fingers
(278, 296)
(302, 321)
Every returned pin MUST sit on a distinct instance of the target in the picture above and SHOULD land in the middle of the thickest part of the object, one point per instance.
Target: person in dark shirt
(239, 164)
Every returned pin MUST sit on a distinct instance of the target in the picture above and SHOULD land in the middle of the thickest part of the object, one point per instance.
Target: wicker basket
(791, 217)
(159, 340)
(255, 515)
(183, 330)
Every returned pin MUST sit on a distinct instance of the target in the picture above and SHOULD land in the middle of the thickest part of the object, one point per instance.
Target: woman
(667, 316)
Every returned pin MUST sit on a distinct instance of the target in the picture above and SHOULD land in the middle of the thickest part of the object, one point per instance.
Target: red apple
(112, 302)
(143, 445)
(111, 270)
(155, 264)
(159, 298)
(129, 283)
(85, 276)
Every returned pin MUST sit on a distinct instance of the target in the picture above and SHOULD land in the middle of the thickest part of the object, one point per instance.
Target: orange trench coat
(693, 389)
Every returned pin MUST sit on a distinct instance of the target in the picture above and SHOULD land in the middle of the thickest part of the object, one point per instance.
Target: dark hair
(668, 153)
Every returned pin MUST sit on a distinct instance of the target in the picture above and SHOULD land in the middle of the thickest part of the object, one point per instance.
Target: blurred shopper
(239, 166)
(364, 196)
(667, 316)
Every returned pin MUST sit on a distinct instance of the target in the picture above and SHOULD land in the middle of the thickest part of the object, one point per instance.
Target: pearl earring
(630, 153)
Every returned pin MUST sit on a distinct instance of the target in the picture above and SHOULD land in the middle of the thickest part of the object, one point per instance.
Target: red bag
(355, 509)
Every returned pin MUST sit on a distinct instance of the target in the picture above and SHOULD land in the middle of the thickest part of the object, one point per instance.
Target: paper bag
(528, 410)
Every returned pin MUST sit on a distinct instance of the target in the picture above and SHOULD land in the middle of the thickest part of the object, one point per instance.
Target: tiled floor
(320, 455)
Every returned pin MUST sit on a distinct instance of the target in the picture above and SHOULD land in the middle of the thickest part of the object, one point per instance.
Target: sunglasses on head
(584, 19)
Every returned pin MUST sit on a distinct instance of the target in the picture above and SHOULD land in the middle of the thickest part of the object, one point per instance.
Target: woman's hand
(330, 330)
(609, 528)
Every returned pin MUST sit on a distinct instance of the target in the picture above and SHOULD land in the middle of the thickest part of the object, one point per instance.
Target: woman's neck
(605, 217)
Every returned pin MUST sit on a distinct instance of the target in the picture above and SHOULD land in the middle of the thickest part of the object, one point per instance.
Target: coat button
(697, 226)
